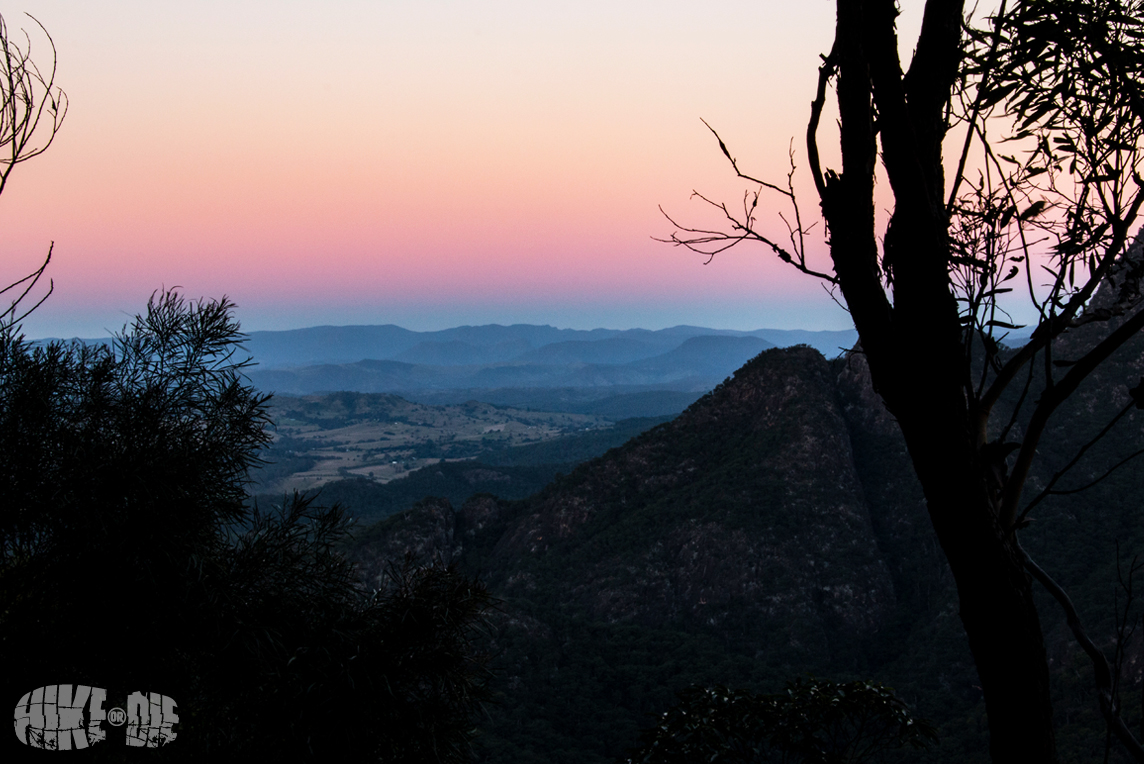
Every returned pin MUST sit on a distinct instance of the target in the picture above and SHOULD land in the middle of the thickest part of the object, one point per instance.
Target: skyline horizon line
(248, 332)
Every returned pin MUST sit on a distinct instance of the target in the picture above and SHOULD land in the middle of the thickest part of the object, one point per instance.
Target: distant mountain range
(649, 373)
(491, 344)
(617, 373)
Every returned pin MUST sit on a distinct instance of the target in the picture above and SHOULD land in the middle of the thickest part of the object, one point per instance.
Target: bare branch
(1102, 673)
(1048, 490)
(712, 242)
(735, 165)
(1049, 402)
(8, 317)
(723, 240)
(29, 98)
(29, 101)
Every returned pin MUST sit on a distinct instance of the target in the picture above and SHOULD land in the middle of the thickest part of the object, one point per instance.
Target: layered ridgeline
(612, 373)
(772, 529)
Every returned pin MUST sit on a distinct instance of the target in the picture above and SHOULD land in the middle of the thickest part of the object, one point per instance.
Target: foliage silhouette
(129, 559)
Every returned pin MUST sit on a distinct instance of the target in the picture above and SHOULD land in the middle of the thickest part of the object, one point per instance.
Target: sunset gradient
(427, 164)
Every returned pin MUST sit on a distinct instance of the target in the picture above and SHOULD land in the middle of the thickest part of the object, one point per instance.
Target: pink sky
(423, 163)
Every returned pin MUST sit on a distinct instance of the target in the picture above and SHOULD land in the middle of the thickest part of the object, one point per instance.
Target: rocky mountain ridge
(773, 529)
(716, 525)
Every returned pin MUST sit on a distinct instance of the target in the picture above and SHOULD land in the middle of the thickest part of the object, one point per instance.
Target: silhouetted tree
(130, 560)
(1059, 86)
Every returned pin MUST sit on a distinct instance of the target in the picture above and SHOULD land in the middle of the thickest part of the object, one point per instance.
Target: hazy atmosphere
(424, 164)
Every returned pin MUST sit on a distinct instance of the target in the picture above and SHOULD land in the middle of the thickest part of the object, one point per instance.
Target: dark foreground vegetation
(131, 560)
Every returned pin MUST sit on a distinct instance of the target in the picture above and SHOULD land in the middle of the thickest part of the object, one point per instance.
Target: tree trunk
(914, 345)
(994, 592)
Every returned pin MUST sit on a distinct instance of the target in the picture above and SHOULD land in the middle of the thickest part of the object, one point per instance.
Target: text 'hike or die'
(58, 717)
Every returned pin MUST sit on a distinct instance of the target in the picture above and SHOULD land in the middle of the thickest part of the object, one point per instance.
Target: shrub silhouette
(132, 560)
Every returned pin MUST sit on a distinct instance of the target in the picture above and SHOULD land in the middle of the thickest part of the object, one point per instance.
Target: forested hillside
(773, 529)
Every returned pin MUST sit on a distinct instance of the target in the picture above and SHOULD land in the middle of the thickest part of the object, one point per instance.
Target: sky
(422, 163)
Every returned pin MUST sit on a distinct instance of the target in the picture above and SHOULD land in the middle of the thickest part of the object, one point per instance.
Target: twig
(1101, 671)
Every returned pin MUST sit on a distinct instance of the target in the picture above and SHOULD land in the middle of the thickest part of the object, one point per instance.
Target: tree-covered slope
(707, 549)
(773, 529)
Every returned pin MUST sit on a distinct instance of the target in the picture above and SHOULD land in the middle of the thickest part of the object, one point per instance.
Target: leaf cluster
(1060, 80)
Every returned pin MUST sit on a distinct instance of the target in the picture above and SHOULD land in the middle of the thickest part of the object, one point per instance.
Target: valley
(381, 437)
